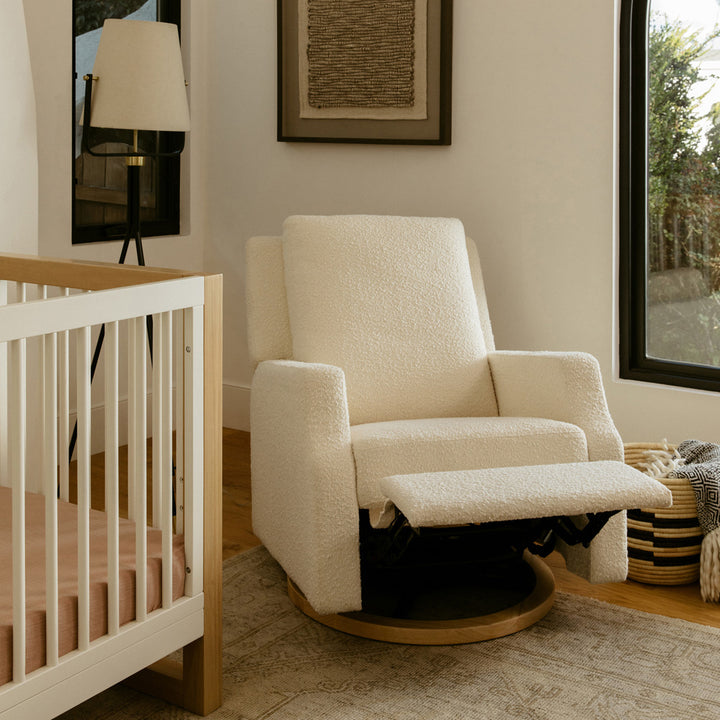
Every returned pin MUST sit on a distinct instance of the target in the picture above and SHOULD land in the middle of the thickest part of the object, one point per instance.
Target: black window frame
(634, 363)
(168, 168)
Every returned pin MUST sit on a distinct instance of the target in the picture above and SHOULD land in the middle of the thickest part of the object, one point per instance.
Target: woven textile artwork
(364, 59)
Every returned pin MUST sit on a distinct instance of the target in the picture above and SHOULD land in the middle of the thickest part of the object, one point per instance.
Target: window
(99, 184)
(670, 192)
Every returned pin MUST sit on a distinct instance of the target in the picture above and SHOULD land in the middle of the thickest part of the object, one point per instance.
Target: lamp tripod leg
(133, 196)
(93, 367)
(148, 319)
(133, 232)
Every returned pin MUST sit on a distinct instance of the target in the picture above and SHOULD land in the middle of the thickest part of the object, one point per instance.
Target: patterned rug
(585, 659)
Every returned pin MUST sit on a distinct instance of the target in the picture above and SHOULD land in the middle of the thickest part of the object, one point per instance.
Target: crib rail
(44, 316)
(60, 317)
(82, 275)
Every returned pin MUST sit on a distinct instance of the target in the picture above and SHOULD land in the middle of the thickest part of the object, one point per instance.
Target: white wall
(19, 177)
(530, 172)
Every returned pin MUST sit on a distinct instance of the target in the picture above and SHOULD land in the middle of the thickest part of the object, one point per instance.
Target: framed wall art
(365, 71)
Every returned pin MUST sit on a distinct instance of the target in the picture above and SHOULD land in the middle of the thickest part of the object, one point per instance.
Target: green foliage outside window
(683, 199)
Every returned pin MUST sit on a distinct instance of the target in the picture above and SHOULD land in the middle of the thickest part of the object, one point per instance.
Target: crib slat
(112, 474)
(83, 485)
(4, 470)
(64, 409)
(165, 360)
(158, 428)
(16, 447)
(179, 323)
(132, 418)
(50, 458)
(194, 450)
(140, 470)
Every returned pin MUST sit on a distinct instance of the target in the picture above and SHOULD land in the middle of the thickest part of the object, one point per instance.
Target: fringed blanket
(702, 469)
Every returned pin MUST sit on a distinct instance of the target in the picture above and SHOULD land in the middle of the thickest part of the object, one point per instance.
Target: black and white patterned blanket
(702, 469)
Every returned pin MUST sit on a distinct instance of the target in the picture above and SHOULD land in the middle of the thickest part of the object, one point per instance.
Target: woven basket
(663, 543)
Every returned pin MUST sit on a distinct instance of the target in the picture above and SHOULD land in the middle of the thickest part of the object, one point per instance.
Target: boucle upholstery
(266, 301)
(605, 561)
(269, 335)
(395, 306)
(568, 387)
(391, 301)
(431, 445)
(558, 386)
(479, 287)
(516, 493)
(303, 480)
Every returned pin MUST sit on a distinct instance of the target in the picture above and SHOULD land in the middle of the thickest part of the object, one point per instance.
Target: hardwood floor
(681, 601)
(237, 521)
(678, 601)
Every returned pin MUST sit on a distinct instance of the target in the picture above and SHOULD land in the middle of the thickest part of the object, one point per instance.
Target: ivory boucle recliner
(375, 359)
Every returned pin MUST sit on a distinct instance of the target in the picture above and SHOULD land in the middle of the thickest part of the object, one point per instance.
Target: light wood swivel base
(416, 631)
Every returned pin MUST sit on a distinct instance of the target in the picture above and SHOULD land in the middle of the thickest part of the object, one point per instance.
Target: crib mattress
(67, 574)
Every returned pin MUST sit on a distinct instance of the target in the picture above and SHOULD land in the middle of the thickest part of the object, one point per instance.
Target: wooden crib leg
(202, 659)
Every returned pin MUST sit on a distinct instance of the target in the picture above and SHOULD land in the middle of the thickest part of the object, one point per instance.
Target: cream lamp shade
(140, 84)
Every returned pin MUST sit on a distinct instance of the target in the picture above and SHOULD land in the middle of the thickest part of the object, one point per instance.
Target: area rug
(586, 659)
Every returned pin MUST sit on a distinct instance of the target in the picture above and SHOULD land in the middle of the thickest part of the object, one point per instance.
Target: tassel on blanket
(702, 469)
(710, 567)
(660, 463)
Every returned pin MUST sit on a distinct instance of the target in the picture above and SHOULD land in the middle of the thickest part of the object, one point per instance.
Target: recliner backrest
(390, 300)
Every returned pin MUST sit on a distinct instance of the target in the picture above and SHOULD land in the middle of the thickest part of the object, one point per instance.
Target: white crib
(51, 311)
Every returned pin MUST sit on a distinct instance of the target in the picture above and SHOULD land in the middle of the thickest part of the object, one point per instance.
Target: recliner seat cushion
(389, 300)
(442, 444)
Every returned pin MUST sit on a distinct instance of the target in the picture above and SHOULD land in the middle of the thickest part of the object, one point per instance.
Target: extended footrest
(465, 497)
(453, 568)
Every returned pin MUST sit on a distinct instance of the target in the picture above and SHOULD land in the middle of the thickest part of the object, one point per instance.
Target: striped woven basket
(663, 543)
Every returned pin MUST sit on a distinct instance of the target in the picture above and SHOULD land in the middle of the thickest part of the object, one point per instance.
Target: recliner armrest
(558, 386)
(303, 479)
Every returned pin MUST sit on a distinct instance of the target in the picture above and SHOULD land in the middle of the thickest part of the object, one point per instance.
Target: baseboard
(236, 407)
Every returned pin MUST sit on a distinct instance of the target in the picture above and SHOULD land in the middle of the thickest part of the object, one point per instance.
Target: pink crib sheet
(67, 573)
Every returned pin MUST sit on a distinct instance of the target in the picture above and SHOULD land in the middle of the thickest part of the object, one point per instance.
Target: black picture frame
(435, 129)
